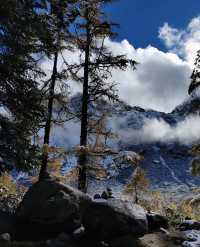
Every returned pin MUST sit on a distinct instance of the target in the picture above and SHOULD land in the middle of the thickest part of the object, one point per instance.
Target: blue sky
(140, 19)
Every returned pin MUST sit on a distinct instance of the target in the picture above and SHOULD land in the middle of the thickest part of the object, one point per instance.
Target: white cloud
(160, 81)
(170, 35)
(154, 130)
(162, 78)
(183, 42)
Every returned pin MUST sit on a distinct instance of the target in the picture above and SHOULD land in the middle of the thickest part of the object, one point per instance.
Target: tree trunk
(47, 130)
(82, 176)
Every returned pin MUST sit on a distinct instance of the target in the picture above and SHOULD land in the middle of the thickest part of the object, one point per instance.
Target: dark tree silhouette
(195, 77)
(62, 14)
(21, 43)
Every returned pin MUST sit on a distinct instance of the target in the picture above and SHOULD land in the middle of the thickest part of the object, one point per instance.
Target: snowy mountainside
(166, 144)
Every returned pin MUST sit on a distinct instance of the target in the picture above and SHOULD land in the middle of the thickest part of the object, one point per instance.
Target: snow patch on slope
(176, 179)
(195, 239)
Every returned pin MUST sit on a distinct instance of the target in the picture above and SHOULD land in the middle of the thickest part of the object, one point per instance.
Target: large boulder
(49, 208)
(7, 223)
(108, 219)
(5, 237)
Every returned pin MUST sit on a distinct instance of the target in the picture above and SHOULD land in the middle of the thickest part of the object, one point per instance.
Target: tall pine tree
(21, 43)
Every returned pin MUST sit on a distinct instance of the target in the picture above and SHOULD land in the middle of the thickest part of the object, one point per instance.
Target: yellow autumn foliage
(7, 185)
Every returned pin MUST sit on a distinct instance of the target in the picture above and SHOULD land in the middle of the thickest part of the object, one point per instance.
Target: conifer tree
(20, 97)
(31, 31)
(96, 62)
(62, 14)
(195, 77)
(194, 85)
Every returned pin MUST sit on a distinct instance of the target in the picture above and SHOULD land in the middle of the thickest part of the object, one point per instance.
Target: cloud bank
(160, 82)
(162, 78)
(154, 130)
(182, 42)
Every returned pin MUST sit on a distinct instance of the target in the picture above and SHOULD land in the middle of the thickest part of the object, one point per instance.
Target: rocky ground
(55, 215)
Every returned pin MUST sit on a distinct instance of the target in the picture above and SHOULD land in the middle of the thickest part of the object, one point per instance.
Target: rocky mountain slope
(162, 136)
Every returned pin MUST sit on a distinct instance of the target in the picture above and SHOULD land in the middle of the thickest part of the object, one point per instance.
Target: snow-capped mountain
(165, 138)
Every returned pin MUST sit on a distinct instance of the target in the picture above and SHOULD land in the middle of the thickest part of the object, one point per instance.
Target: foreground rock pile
(55, 215)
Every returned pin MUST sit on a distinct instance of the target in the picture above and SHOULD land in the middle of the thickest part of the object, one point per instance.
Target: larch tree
(94, 71)
(137, 184)
(60, 15)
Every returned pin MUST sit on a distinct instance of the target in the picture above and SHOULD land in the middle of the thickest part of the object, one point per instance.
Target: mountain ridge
(167, 163)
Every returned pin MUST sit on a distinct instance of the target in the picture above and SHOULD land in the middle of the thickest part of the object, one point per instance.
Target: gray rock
(5, 237)
(108, 219)
(156, 221)
(177, 237)
(50, 208)
(156, 240)
(78, 233)
(7, 223)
